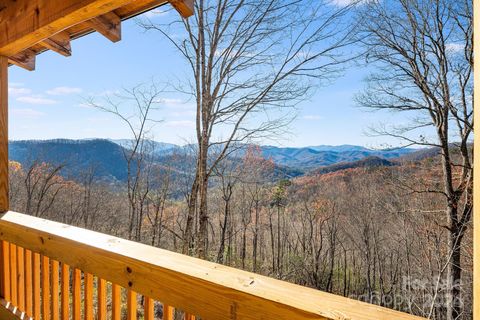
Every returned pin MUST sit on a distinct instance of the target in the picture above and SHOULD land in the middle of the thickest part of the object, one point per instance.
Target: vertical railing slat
(13, 274)
(5, 289)
(167, 312)
(21, 278)
(55, 290)
(149, 308)
(36, 286)
(77, 294)
(102, 299)
(28, 283)
(65, 287)
(188, 316)
(116, 302)
(131, 305)
(45, 288)
(88, 299)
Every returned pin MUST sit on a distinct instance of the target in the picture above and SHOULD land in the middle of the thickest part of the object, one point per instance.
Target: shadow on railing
(54, 271)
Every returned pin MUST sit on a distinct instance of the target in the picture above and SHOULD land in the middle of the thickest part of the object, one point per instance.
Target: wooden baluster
(45, 288)
(167, 312)
(116, 302)
(13, 274)
(131, 305)
(28, 284)
(36, 286)
(77, 294)
(188, 316)
(21, 278)
(5, 269)
(55, 290)
(65, 287)
(88, 292)
(149, 308)
(102, 299)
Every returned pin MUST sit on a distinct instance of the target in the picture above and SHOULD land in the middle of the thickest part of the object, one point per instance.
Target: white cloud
(454, 47)
(181, 123)
(61, 91)
(18, 91)
(36, 100)
(312, 117)
(155, 13)
(27, 112)
(344, 3)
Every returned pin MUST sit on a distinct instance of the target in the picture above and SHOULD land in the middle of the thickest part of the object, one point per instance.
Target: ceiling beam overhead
(59, 43)
(184, 7)
(25, 60)
(24, 23)
(108, 25)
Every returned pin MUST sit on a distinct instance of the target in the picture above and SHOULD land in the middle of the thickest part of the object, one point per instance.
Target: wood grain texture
(168, 312)
(28, 283)
(109, 25)
(148, 308)
(88, 296)
(45, 287)
(205, 289)
(77, 294)
(21, 278)
(4, 201)
(65, 288)
(476, 165)
(9, 312)
(131, 305)
(116, 302)
(55, 290)
(102, 299)
(5, 270)
(13, 274)
(36, 286)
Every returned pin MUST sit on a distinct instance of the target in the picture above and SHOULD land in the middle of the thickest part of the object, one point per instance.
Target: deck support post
(4, 201)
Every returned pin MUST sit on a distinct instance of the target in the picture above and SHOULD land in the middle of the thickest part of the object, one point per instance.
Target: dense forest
(364, 231)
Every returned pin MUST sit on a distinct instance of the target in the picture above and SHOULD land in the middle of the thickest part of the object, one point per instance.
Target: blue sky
(50, 102)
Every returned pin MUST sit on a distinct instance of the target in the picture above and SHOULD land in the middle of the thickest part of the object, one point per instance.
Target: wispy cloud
(155, 13)
(36, 100)
(455, 47)
(62, 91)
(312, 117)
(27, 112)
(344, 3)
(18, 91)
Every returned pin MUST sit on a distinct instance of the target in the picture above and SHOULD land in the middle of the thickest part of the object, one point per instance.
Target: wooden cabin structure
(54, 271)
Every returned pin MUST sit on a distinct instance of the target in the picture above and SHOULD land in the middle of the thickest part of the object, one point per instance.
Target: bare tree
(251, 62)
(424, 50)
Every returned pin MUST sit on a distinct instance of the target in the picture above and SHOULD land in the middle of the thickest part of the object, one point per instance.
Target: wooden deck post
(4, 205)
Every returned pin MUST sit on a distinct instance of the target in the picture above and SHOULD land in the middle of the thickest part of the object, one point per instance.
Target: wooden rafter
(3, 134)
(25, 60)
(108, 25)
(59, 43)
(184, 7)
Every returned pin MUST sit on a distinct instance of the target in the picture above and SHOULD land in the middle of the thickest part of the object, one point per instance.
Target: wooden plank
(24, 23)
(77, 294)
(109, 25)
(9, 312)
(65, 287)
(116, 302)
(102, 299)
(45, 287)
(28, 283)
(88, 296)
(36, 286)
(5, 271)
(167, 312)
(206, 289)
(188, 316)
(21, 278)
(131, 305)
(59, 43)
(55, 290)
(4, 199)
(149, 308)
(13, 274)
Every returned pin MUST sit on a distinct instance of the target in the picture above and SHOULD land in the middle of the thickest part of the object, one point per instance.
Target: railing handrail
(203, 288)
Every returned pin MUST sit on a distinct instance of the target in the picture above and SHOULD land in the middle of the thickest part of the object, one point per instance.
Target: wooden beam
(25, 60)
(24, 23)
(4, 202)
(9, 312)
(202, 288)
(109, 25)
(59, 43)
(184, 7)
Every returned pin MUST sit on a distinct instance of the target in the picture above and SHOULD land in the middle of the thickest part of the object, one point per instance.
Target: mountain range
(107, 156)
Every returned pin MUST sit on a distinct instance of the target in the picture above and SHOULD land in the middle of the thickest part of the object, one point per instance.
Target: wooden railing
(54, 271)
